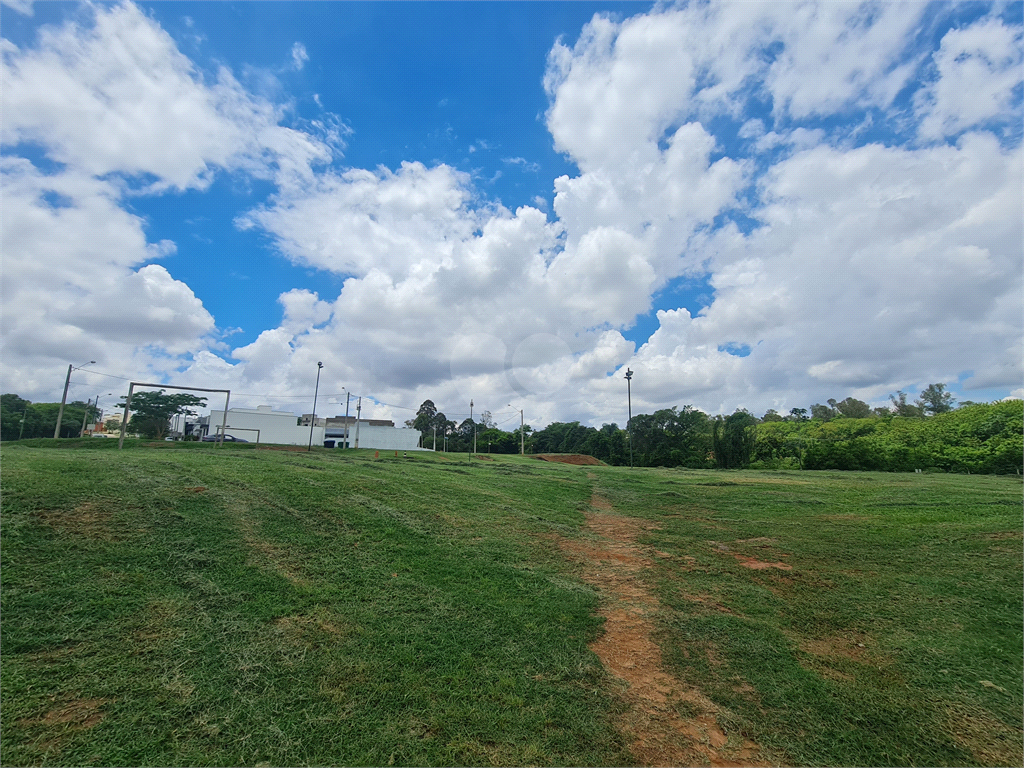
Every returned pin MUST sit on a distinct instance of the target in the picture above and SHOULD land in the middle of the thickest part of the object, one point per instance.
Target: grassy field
(187, 604)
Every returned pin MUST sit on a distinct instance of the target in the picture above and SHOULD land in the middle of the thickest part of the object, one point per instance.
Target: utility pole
(435, 438)
(629, 425)
(522, 429)
(67, 383)
(312, 421)
(359, 410)
(81, 432)
(348, 396)
(472, 444)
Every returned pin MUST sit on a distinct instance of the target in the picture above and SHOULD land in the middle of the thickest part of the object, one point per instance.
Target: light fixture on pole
(312, 421)
(67, 383)
(629, 425)
(96, 407)
(522, 430)
(348, 398)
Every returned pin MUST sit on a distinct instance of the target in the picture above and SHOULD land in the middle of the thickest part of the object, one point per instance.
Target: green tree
(771, 415)
(151, 412)
(823, 412)
(425, 418)
(733, 439)
(935, 400)
(852, 408)
(13, 410)
(901, 407)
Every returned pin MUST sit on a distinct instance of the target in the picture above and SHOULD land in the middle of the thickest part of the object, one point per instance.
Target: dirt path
(659, 733)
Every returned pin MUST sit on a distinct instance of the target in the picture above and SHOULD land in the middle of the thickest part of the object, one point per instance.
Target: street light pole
(67, 383)
(348, 397)
(629, 425)
(312, 421)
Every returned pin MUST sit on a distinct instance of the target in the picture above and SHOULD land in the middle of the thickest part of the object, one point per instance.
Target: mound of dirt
(571, 458)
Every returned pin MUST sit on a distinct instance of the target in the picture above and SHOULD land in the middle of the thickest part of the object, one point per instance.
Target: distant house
(266, 425)
(371, 433)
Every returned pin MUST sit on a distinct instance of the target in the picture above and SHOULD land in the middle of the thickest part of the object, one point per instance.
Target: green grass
(904, 594)
(330, 608)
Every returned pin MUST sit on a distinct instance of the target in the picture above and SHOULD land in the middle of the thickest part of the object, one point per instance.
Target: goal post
(134, 384)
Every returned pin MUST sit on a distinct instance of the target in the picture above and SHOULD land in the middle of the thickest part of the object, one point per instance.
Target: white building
(374, 436)
(265, 425)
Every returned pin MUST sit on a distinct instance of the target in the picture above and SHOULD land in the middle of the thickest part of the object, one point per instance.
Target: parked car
(227, 439)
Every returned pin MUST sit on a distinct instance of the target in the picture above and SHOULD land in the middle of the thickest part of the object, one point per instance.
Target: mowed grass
(187, 604)
(236, 607)
(881, 623)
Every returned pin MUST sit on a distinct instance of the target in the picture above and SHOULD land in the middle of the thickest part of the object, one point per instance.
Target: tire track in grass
(667, 722)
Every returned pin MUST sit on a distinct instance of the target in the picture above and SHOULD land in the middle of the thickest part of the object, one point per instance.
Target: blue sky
(758, 205)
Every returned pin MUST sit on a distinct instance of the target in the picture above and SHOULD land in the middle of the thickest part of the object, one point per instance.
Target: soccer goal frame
(131, 391)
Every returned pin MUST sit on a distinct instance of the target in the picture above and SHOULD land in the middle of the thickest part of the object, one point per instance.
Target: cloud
(118, 111)
(978, 69)
(23, 7)
(844, 284)
(119, 98)
(522, 161)
(846, 264)
(299, 56)
(76, 283)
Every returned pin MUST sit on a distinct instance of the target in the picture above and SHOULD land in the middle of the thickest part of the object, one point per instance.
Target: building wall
(379, 438)
(274, 426)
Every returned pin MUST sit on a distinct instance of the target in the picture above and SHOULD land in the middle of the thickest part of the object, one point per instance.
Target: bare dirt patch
(990, 741)
(76, 714)
(571, 458)
(758, 565)
(266, 553)
(851, 646)
(658, 732)
(90, 519)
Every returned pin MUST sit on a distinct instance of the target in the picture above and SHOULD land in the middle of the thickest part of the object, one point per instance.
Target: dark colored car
(227, 439)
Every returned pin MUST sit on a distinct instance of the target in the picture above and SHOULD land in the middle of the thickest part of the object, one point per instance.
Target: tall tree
(852, 408)
(935, 400)
(901, 407)
(425, 418)
(151, 412)
(733, 439)
(823, 412)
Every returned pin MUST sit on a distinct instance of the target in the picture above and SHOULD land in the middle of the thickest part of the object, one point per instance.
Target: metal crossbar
(134, 384)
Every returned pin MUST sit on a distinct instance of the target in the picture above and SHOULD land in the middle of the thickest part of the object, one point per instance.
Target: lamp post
(629, 426)
(312, 421)
(522, 430)
(348, 398)
(67, 383)
(95, 405)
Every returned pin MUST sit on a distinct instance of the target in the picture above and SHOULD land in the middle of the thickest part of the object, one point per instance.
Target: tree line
(932, 434)
(151, 415)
